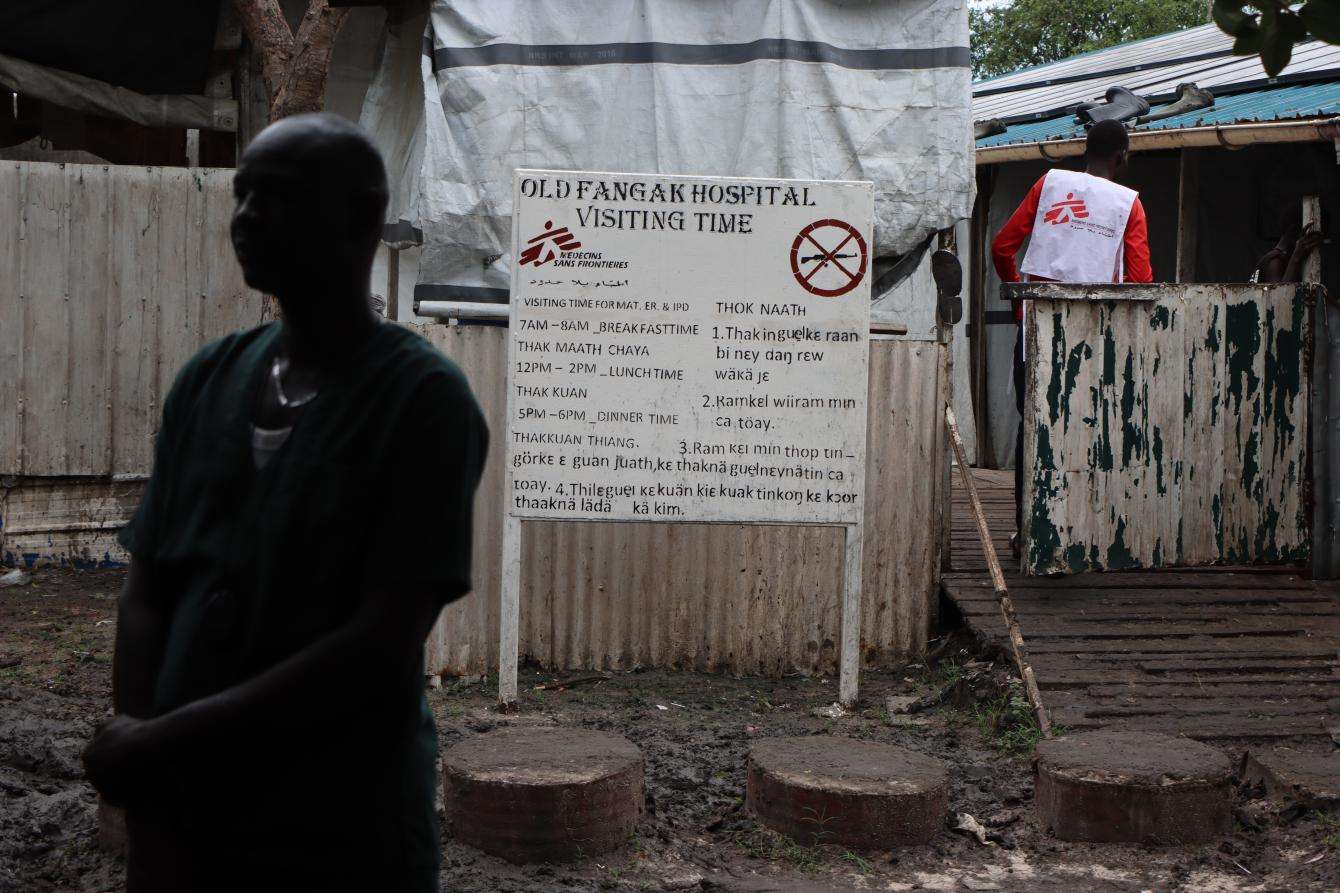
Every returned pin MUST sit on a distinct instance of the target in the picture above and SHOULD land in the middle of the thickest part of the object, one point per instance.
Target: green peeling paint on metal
(1058, 367)
(1250, 466)
(1044, 540)
(1267, 549)
(1283, 374)
(1109, 355)
(1119, 557)
(1077, 355)
(1217, 512)
(1130, 432)
(1242, 333)
(1074, 558)
(1188, 401)
(1157, 450)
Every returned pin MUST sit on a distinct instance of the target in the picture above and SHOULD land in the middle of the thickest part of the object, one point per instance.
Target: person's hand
(1309, 242)
(120, 757)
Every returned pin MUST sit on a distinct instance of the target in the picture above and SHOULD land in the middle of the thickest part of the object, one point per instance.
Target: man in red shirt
(1084, 228)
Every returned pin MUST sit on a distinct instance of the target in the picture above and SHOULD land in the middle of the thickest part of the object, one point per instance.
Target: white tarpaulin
(874, 90)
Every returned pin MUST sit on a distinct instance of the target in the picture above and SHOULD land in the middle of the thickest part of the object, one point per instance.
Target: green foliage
(1033, 32)
(1009, 726)
(1272, 27)
(862, 865)
(1329, 824)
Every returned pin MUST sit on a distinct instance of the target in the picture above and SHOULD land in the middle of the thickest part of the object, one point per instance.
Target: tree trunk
(294, 66)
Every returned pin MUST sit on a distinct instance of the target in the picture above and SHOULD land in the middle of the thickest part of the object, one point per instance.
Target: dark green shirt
(374, 486)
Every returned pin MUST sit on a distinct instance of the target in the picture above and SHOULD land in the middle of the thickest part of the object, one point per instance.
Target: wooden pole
(1312, 215)
(1017, 647)
(1188, 201)
(393, 283)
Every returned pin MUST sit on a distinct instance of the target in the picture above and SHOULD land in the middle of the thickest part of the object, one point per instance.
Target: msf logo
(1062, 212)
(540, 250)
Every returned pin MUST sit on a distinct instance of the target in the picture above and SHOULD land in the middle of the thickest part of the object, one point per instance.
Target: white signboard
(688, 349)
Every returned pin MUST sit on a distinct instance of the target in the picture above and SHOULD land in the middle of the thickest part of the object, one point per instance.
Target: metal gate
(1165, 425)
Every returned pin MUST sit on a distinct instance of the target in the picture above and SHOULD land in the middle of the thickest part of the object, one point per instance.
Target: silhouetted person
(1080, 227)
(1284, 262)
(308, 517)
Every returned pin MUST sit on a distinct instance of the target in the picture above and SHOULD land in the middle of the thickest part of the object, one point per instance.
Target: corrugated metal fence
(111, 277)
(749, 599)
(114, 276)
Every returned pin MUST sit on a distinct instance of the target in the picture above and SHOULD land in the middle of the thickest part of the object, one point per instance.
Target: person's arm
(1136, 246)
(339, 678)
(1012, 235)
(1309, 242)
(141, 633)
(346, 675)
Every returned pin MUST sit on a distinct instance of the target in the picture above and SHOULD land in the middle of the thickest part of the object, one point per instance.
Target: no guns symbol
(829, 258)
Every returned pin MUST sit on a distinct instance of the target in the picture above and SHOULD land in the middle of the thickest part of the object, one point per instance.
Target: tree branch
(294, 68)
(270, 35)
(305, 87)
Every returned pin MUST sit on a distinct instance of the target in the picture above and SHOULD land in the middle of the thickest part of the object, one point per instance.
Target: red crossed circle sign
(829, 258)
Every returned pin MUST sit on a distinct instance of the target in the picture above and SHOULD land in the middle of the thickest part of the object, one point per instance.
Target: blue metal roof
(1269, 104)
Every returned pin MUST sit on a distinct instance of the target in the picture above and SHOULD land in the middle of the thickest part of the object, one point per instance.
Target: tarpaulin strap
(777, 48)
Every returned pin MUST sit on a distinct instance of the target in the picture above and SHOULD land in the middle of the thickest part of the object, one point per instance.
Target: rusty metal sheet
(1095, 291)
(745, 599)
(65, 521)
(1166, 432)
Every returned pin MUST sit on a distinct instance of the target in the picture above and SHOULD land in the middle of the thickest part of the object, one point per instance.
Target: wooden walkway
(1207, 653)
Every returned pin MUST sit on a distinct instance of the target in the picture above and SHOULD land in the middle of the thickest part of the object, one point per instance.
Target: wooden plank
(177, 300)
(1064, 679)
(230, 306)
(1201, 472)
(46, 320)
(1285, 645)
(1181, 581)
(1191, 711)
(88, 406)
(133, 334)
(11, 310)
(1203, 727)
(1293, 689)
(1178, 629)
(1141, 611)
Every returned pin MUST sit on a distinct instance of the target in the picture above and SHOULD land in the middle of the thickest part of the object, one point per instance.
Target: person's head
(1291, 224)
(311, 198)
(1106, 146)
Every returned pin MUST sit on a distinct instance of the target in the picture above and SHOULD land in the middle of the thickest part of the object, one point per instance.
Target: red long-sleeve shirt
(1020, 225)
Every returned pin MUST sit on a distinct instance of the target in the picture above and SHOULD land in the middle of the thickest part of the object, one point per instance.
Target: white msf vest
(1078, 232)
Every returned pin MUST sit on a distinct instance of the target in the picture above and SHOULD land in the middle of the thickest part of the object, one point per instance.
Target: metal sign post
(687, 350)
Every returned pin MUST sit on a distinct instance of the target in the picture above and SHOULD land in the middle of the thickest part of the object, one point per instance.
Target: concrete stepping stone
(1132, 787)
(834, 790)
(543, 794)
(1311, 780)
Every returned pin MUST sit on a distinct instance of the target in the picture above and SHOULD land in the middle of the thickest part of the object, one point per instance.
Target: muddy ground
(55, 658)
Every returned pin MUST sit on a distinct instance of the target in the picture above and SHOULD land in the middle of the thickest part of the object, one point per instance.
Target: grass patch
(942, 675)
(1329, 823)
(764, 843)
(862, 865)
(1007, 724)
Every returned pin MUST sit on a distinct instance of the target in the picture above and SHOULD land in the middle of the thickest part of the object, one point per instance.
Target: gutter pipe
(1226, 136)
